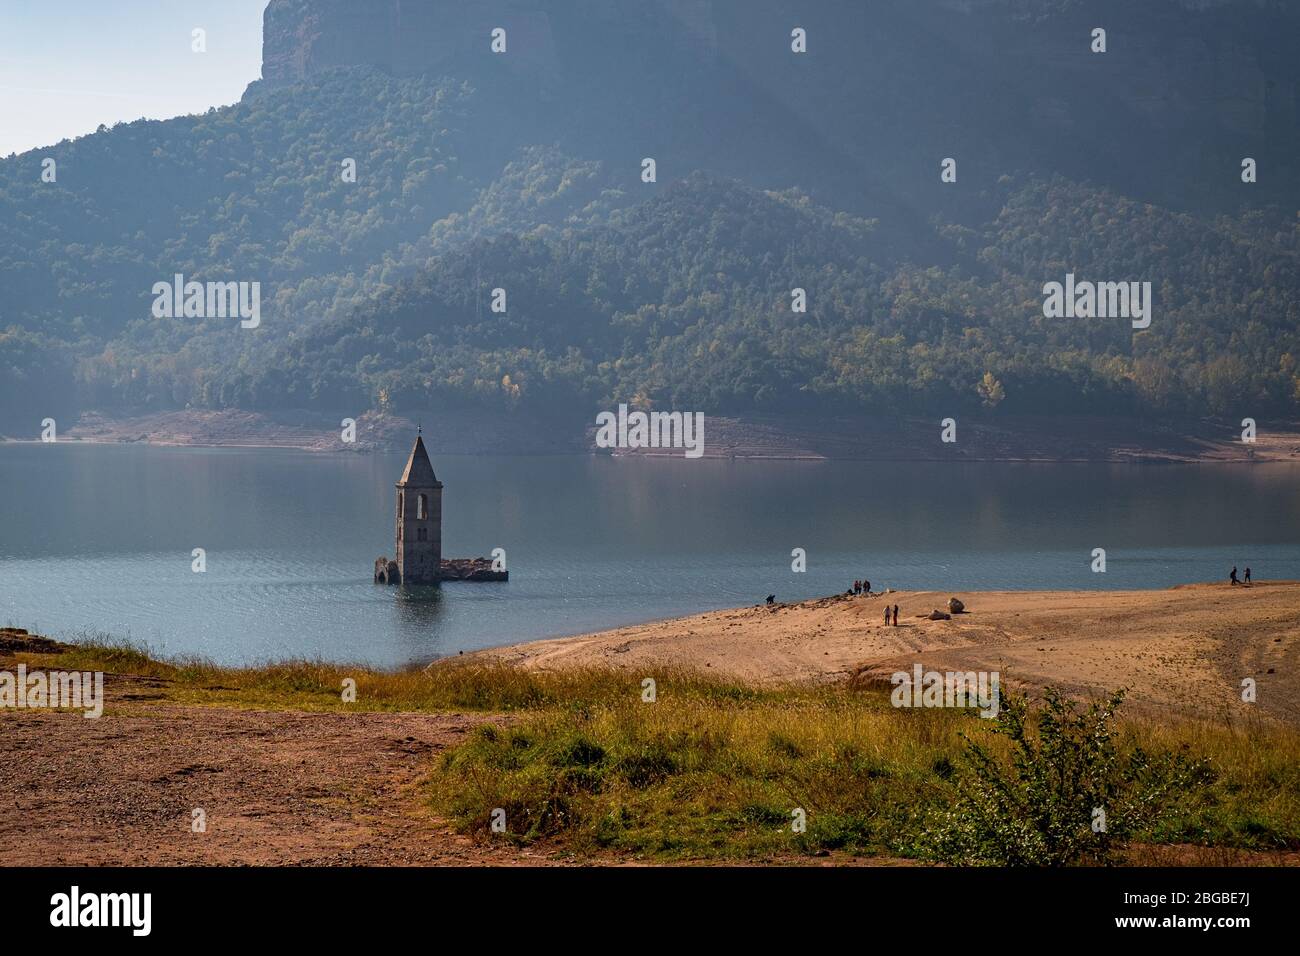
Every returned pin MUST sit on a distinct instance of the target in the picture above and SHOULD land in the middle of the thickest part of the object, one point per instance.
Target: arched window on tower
(422, 508)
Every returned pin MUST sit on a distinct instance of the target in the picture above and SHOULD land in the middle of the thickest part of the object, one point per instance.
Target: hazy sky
(68, 65)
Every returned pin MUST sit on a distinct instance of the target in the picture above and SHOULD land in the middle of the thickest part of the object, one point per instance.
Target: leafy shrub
(1063, 792)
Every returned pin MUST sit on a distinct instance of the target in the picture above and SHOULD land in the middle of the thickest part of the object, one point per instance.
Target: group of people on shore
(1233, 576)
(864, 587)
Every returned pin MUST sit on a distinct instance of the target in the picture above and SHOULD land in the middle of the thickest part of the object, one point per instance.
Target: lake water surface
(98, 538)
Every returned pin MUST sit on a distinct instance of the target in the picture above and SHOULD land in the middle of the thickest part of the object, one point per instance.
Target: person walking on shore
(1246, 579)
(895, 615)
(1233, 576)
(886, 613)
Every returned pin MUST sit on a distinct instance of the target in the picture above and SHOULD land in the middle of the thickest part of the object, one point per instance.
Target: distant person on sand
(895, 615)
(1246, 579)
(857, 587)
(1233, 576)
(886, 613)
(866, 587)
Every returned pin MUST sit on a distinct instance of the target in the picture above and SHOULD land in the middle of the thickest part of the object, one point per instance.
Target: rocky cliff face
(1167, 58)
(1186, 89)
(303, 37)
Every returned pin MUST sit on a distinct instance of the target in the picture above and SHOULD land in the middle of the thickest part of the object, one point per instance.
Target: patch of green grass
(716, 769)
(451, 685)
(698, 776)
(106, 654)
(702, 777)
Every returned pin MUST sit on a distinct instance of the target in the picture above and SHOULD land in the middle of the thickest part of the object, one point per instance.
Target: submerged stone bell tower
(419, 533)
(419, 520)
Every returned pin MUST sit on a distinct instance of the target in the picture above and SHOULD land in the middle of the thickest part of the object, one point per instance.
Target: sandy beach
(1186, 648)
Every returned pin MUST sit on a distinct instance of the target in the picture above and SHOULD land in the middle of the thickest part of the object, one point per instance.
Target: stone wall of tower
(419, 556)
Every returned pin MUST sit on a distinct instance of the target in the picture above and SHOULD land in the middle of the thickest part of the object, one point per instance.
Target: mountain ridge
(545, 174)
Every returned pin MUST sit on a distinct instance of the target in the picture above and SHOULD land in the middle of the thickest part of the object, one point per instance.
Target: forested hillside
(773, 174)
(685, 302)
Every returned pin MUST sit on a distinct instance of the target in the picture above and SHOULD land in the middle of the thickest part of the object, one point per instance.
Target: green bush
(1063, 792)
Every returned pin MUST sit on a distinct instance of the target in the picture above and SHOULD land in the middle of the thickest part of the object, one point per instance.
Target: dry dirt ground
(277, 788)
(1186, 648)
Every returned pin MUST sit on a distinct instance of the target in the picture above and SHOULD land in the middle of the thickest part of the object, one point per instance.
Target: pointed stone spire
(419, 470)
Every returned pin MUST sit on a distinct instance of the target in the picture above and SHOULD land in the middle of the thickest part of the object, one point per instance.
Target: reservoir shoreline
(874, 437)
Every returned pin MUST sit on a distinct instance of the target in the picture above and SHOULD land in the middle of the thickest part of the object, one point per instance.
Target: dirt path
(277, 788)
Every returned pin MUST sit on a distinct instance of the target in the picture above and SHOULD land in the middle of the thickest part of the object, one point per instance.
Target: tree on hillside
(990, 389)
